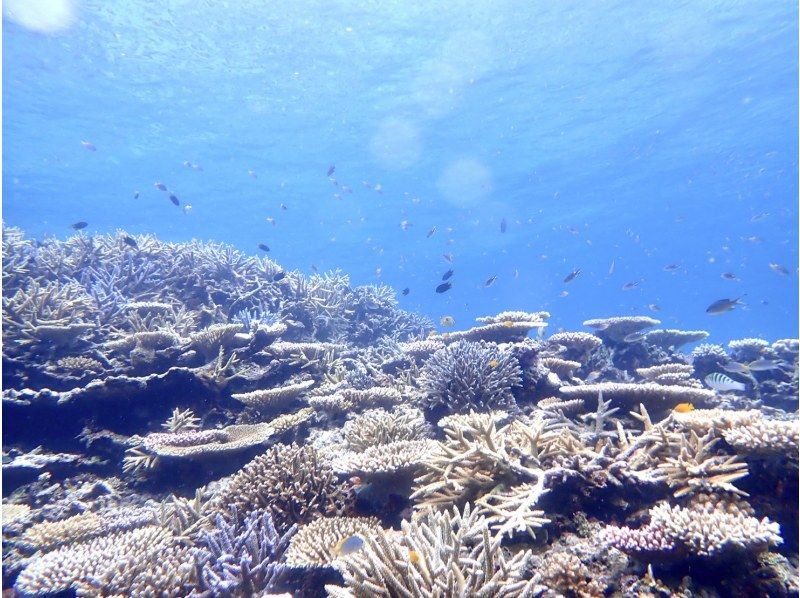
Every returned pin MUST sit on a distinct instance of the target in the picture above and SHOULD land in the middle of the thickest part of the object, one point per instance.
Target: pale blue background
(635, 132)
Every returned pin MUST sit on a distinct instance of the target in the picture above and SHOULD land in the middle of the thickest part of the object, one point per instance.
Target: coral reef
(179, 420)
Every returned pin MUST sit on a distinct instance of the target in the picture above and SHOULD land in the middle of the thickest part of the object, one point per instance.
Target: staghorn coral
(469, 377)
(707, 526)
(240, 557)
(181, 421)
(318, 544)
(274, 398)
(436, 554)
(695, 469)
(291, 481)
(512, 510)
(378, 426)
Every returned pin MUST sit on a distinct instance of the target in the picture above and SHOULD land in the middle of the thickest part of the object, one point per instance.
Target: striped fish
(722, 383)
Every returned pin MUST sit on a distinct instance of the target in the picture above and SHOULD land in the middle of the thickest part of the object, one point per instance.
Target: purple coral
(240, 557)
(467, 376)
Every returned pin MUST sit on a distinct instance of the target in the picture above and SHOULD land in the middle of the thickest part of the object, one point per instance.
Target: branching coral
(470, 376)
(240, 557)
(291, 481)
(437, 554)
(378, 426)
(708, 526)
(319, 543)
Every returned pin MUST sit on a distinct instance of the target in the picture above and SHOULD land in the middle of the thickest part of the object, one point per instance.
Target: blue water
(634, 133)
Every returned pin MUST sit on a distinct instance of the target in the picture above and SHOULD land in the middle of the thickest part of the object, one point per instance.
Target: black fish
(263, 247)
(503, 225)
(283, 207)
(130, 241)
(79, 225)
(405, 291)
(447, 275)
(444, 287)
(490, 281)
(723, 305)
(135, 195)
(174, 199)
(331, 169)
(279, 276)
(572, 275)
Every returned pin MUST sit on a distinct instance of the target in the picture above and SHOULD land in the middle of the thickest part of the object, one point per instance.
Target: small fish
(346, 189)
(252, 174)
(782, 270)
(413, 556)
(378, 188)
(671, 267)
(448, 257)
(634, 337)
(734, 367)
(444, 287)
(186, 164)
(79, 225)
(196, 167)
(135, 195)
(130, 241)
(729, 276)
(283, 207)
(493, 363)
(683, 407)
(447, 274)
(378, 272)
(572, 230)
(331, 170)
(405, 225)
(503, 225)
(279, 276)
(366, 184)
(431, 233)
(263, 247)
(653, 307)
(628, 286)
(572, 275)
(405, 291)
(271, 220)
(314, 268)
(593, 375)
(723, 383)
(563, 293)
(753, 239)
(759, 217)
(174, 199)
(349, 545)
(516, 273)
(187, 208)
(89, 146)
(160, 186)
(490, 281)
(723, 305)
(447, 321)
(611, 268)
(764, 365)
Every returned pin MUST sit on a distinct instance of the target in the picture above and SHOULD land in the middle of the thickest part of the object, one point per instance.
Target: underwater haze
(359, 299)
(618, 138)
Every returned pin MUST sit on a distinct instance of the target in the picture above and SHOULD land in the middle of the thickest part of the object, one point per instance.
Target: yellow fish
(684, 407)
(493, 363)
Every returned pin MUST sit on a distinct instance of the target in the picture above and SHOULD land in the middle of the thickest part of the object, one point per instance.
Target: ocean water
(316, 411)
(614, 137)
